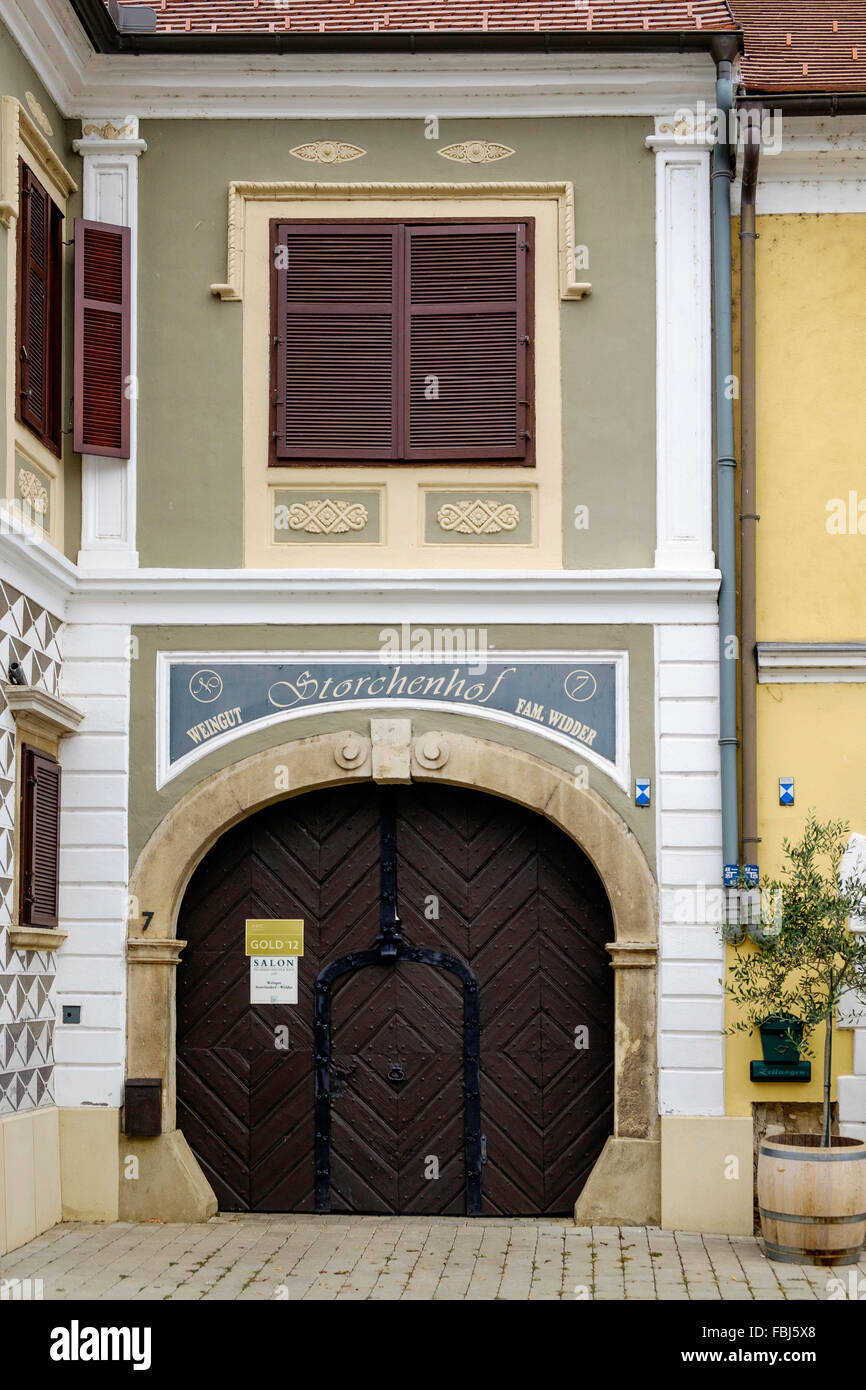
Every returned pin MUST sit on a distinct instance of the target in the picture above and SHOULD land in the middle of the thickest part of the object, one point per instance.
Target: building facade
(807, 405)
(361, 572)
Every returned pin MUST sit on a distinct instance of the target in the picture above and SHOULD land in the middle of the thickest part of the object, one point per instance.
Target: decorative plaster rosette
(327, 152)
(32, 491)
(432, 751)
(478, 517)
(352, 752)
(476, 152)
(327, 518)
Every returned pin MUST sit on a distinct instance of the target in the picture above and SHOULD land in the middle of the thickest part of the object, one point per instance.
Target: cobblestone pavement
(335, 1257)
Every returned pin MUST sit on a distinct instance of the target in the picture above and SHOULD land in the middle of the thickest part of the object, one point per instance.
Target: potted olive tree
(811, 1187)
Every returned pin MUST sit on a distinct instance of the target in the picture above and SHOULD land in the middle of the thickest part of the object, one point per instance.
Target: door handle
(484, 1148)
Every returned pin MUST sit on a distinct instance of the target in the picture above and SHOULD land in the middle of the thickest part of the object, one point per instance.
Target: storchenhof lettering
(573, 700)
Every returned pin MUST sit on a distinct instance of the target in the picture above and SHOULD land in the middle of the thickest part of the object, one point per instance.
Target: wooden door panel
(478, 878)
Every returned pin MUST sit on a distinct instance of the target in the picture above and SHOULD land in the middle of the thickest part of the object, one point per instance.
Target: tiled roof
(371, 16)
(803, 45)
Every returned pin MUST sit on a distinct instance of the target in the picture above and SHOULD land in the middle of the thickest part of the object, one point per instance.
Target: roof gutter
(809, 104)
(106, 38)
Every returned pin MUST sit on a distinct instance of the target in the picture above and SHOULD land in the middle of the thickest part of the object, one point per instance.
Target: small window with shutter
(39, 841)
(401, 342)
(101, 414)
(40, 300)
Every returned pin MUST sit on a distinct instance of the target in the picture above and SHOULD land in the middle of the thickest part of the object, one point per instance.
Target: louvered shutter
(465, 341)
(102, 339)
(40, 838)
(335, 294)
(35, 304)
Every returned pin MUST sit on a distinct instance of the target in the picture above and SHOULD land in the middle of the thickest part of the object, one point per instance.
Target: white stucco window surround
(111, 150)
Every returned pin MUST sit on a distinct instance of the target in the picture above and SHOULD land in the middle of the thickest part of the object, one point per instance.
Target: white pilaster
(111, 150)
(689, 852)
(91, 969)
(683, 347)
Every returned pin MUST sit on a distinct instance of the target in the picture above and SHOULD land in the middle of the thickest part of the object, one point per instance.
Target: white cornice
(318, 86)
(800, 663)
(816, 165)
(263, 596)
(203, 597)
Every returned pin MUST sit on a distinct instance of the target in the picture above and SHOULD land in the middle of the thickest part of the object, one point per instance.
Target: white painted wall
(91, 968)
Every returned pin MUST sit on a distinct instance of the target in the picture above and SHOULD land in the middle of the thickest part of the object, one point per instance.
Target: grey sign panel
(569, 699)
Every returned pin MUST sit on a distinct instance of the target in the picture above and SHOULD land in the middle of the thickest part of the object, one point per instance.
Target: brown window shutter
(39, 309)
(465, 341)
(40, 838)
(335, 295)
(102, 339)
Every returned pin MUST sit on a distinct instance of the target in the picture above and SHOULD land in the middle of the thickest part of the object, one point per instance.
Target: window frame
(401, 402)
(52, 436)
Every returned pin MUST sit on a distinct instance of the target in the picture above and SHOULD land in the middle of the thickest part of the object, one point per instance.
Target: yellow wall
(814, 734)
(811, 407)
(811, 403)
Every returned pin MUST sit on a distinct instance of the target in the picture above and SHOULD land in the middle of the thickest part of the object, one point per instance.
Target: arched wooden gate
(376, 1111)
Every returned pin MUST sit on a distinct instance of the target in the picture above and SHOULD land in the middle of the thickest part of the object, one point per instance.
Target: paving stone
(257, 1258)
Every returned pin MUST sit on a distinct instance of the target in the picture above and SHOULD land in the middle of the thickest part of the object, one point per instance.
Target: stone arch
(171, 855)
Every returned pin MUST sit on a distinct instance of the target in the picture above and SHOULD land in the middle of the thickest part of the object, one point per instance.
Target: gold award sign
(271, 936)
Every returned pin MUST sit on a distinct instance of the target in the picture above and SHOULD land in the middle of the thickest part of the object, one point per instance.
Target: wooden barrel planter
(812, 1199)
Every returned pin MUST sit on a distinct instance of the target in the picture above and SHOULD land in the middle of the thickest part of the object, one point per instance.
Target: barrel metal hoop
(813, 1220)
(788, 1254)
(840, 1156)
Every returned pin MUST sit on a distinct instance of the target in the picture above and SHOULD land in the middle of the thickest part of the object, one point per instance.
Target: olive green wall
(190, 486)
(17, 78)
(148, 806)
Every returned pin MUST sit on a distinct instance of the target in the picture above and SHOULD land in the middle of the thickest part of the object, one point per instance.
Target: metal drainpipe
(726, 463)
(748, 516)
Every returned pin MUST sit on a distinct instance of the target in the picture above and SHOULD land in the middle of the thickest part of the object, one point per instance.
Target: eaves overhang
(106, 38)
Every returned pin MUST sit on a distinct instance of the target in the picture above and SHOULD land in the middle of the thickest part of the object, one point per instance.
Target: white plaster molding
(683, 359)
(817, 166)
(32, 564)
(256, 596)
(811, 663)
(53, 715)
(108, 485)
(241, 193)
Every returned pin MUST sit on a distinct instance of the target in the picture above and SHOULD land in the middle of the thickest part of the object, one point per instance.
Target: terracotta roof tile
(803, 45)
(368, 16)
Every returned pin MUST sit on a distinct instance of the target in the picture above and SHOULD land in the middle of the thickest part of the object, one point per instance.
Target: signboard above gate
(577, 699)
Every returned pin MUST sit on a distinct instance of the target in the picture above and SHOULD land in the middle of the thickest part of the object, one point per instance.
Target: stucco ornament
(352, 751)
(431, 750)
(327, 152)
(32, 491)
(38, 114)
(110, 131)
(478, 517)
(476, 152)
(325, 517)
